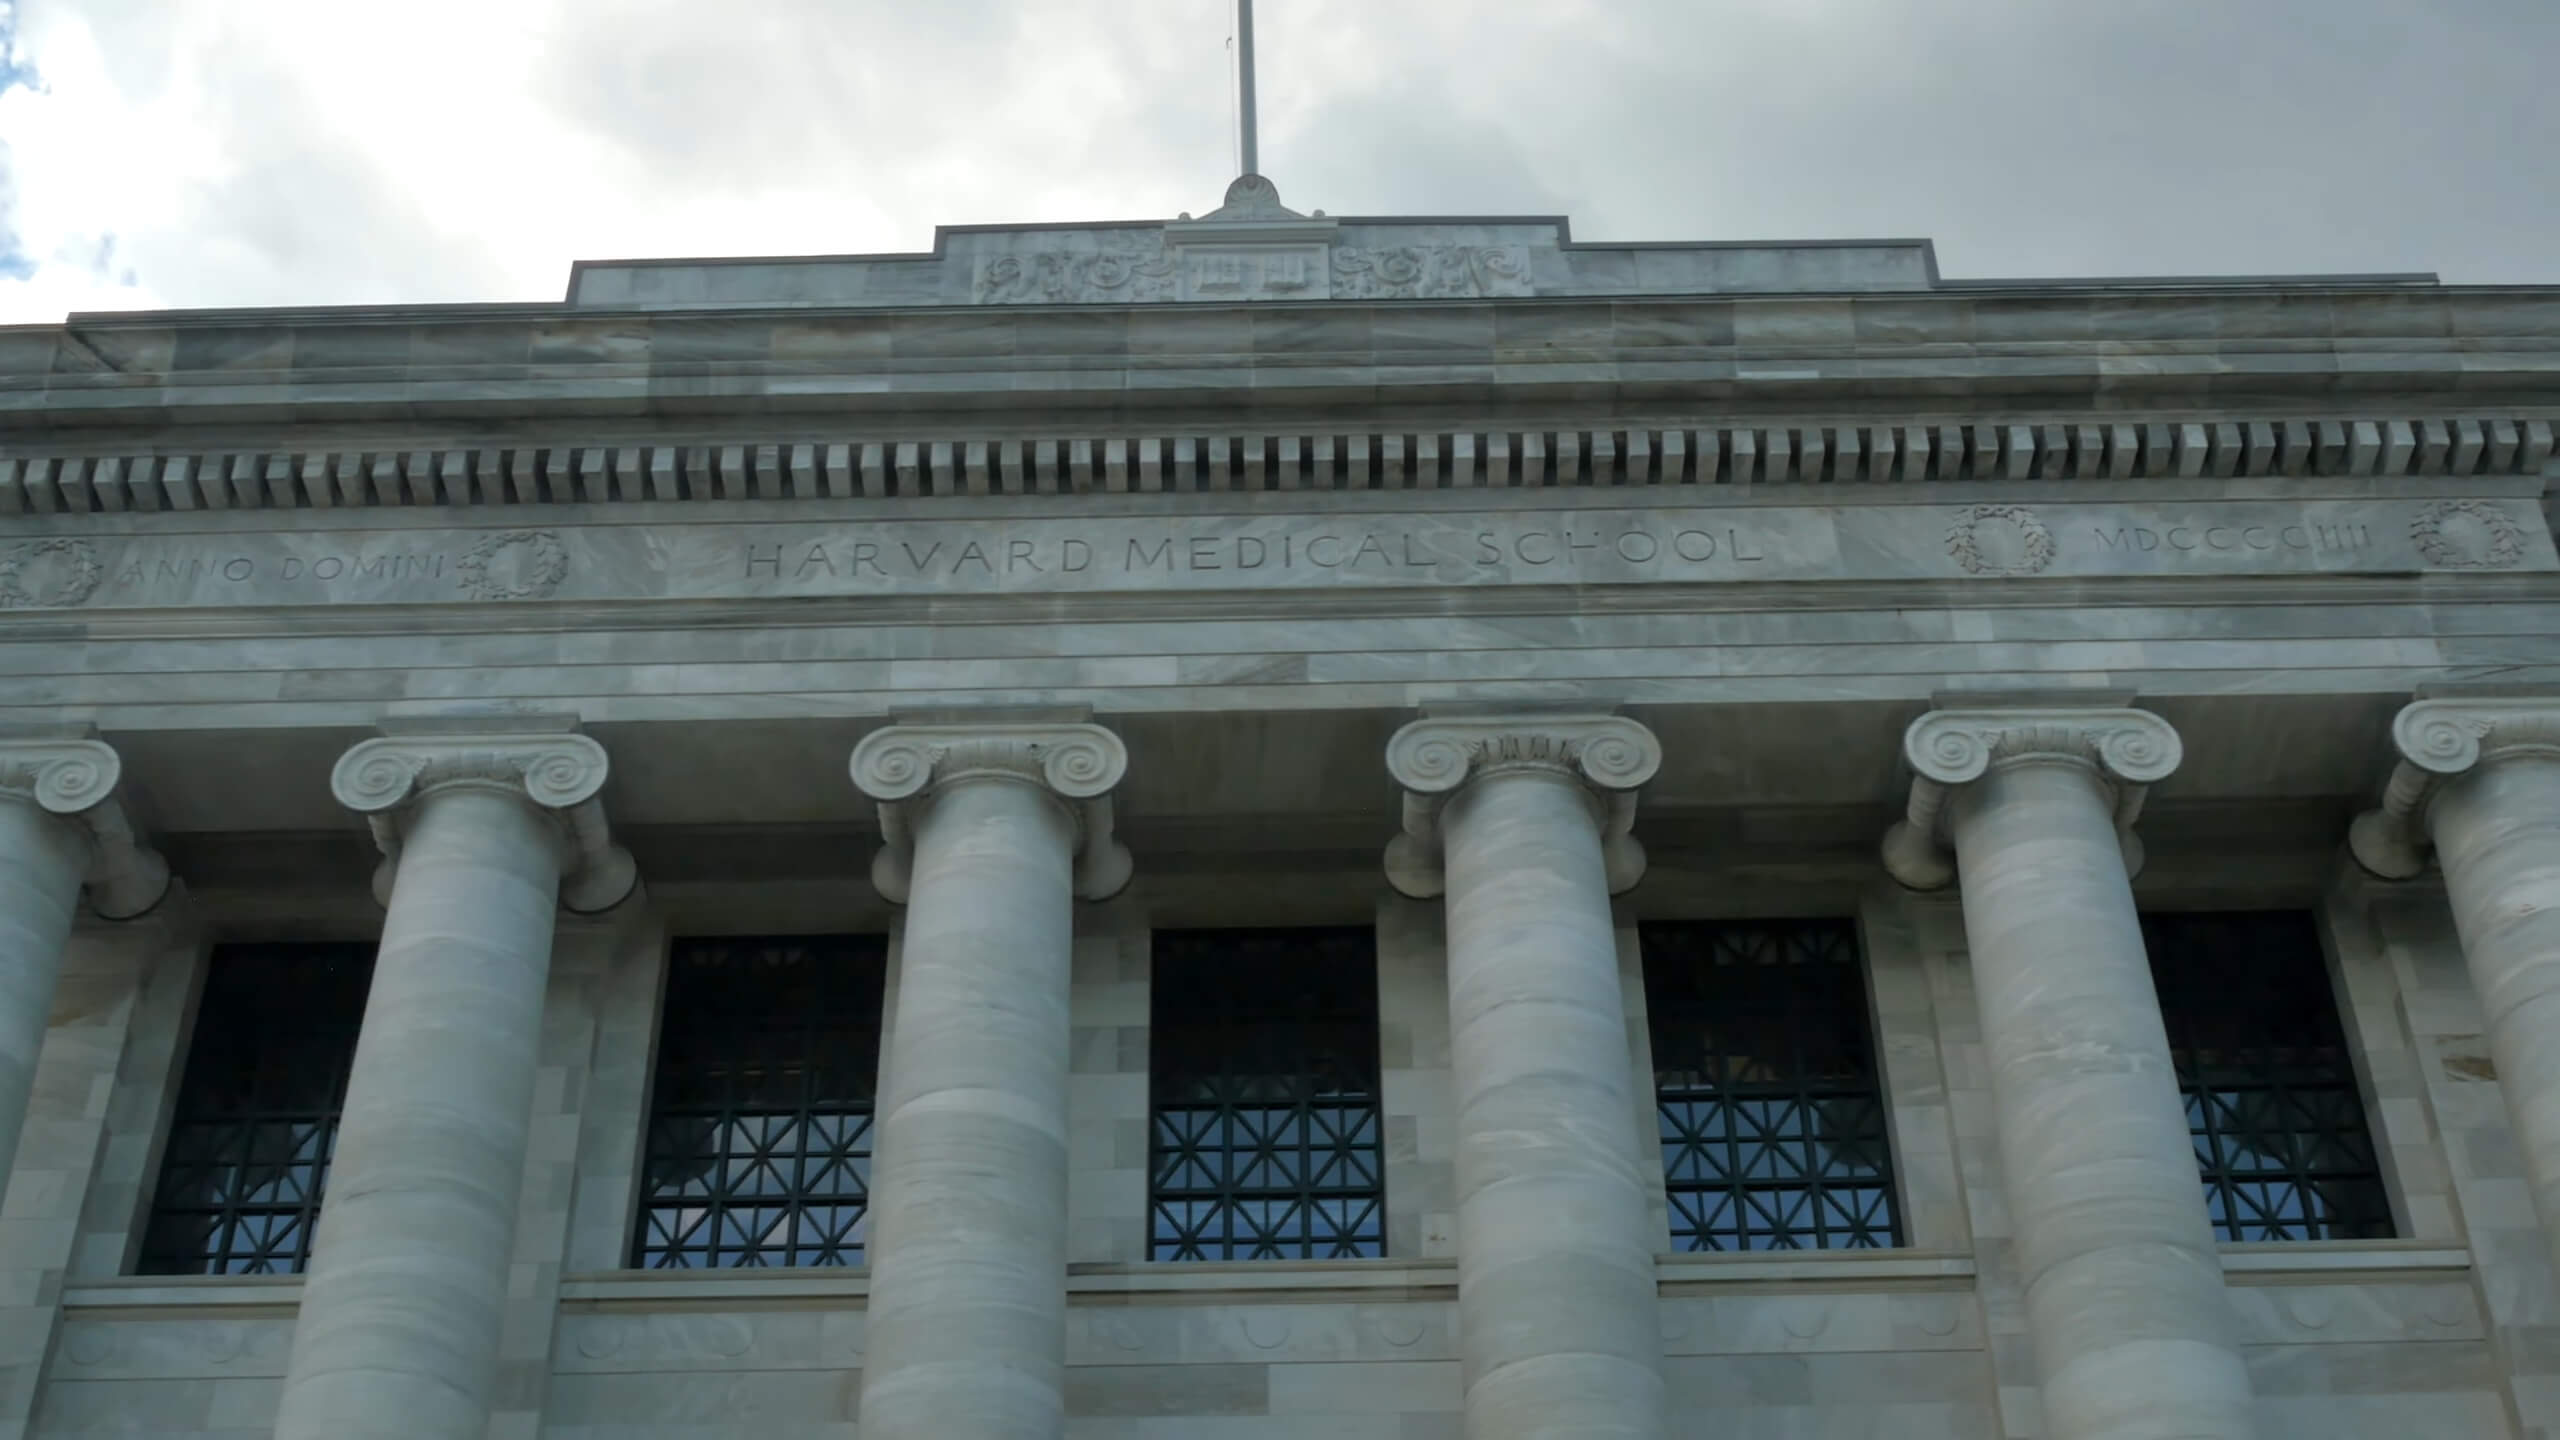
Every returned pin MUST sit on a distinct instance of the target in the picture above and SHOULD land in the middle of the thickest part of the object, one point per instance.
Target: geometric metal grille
(2272, 1102)
(1264, 1082)
(1771, 1116)
(759, 1143)
(257, 1114)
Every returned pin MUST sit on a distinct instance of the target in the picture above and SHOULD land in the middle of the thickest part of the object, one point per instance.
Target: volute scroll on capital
(560, 774)
(2436, 741)
(1948, 749)
(1433, 758)
(77, 778)
(901, 767)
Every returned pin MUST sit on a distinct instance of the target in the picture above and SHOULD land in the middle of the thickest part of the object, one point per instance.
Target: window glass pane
(759, 1138)
(1264, 1060)
(2272, 1104)
(257, 1114)
(1767, 1103)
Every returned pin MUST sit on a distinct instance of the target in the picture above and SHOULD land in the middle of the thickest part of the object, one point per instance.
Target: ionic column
(1522, 823)
(483, 835)
(61, 826)
(2133, 1333)
(2478, 782)
(992, 831)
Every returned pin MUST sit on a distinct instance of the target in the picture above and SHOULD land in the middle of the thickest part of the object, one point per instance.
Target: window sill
(229, 1295)
(2272, 1264)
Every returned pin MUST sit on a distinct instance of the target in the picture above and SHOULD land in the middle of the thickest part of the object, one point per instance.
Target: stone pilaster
(61, 827)
(2134, 1337)
(1522, 824)
(991, 831)
(2478, 784)
(485, 834)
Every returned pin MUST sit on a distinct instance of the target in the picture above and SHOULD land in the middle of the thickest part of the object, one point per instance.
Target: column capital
(1947, 749)
(2435, 741)
(76, 777)
(1077, 764)
(557, 772)
(1435, 757)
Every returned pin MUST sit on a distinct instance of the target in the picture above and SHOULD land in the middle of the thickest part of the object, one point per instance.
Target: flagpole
(1248, 151)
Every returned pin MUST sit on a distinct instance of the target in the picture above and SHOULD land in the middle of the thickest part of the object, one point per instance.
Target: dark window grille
(1770, 1112)
(257, 1113)
(759, 1148)
(2278, 1123)
(1264, 1057)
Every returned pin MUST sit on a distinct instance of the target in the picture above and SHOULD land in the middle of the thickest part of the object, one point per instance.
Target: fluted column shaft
(966, 1336)
(60, 828)
(2132, 1330)
(2480, 781)
(399, 1328)
(1556, 1296)
(43, 858)
(2497, 834)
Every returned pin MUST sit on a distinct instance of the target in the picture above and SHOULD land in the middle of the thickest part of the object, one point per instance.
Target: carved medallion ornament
(2000, 540)
(76, 778)
(560, 773)
(2467, 535)
(902, 766)
(1052, 277)
(1946, 749)
(48, 574)
(515, 565)
(1434, 758)
(1431, 272)
(2436, 741)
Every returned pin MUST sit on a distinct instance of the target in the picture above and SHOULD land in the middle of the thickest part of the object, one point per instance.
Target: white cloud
(259, 152)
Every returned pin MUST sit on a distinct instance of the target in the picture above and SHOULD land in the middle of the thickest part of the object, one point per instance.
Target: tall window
(759, 1148)
(2278, 1123)
(1265, 1078)
(1770, 1113)
(257, 1113)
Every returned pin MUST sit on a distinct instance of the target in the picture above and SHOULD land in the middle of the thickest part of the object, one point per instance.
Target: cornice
(2435, 741)
(1948, 749)
(904, 766)
(41, 476)
(77, 779)
(559, 774)
(1433, 758)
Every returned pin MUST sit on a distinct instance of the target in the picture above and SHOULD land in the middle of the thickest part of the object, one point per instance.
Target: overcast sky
(274, 152)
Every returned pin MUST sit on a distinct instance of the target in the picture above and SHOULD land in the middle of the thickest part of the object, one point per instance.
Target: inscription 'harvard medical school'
(1591, 546)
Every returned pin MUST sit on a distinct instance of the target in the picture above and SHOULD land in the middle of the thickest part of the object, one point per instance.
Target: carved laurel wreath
(2506, 539)
(1964, 544)
(76, 576)
(545, 564)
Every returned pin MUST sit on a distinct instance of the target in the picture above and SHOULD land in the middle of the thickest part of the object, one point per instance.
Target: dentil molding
(76, 778)
(2438, 740)
(558, 773)
(1435, 757)
(902, 766)
(1946, 749)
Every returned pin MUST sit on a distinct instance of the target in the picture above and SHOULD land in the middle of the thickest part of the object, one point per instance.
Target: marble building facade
(434, 713)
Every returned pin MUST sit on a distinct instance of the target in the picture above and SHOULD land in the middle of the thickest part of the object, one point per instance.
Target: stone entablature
(1304, 545)
(1492, 456)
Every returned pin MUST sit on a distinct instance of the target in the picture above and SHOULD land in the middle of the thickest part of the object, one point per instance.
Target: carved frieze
(1431, 272)
(1063, 277)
